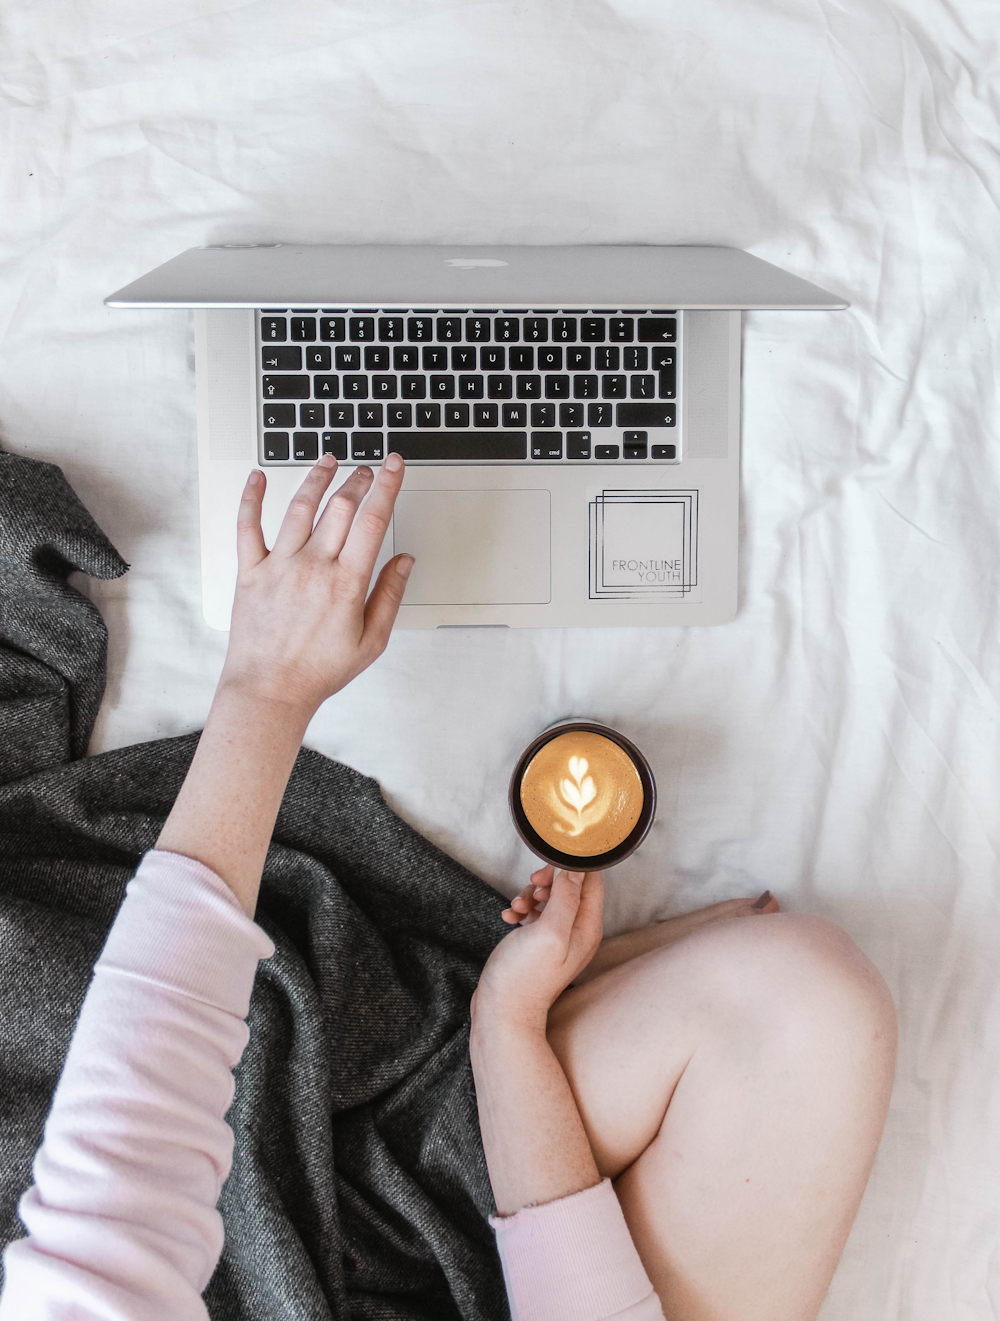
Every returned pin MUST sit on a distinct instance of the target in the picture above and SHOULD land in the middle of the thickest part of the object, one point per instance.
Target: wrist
(493, 1020)
(266, 699)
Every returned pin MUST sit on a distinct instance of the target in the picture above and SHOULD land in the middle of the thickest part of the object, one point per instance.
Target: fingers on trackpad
(475, 547)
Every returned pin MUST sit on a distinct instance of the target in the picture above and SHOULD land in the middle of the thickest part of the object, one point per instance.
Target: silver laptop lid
(471, 277)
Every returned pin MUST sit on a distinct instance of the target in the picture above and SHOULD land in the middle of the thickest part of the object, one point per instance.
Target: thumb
(385, 600)
(563, 903)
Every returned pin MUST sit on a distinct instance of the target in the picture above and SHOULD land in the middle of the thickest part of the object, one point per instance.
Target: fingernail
(255, 478)
(576, 875)
(764, 900)
(393, 462)
(403, 565)
(328, 460)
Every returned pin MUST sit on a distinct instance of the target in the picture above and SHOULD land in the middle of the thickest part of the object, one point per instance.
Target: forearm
(535, 1143)
(226, 809)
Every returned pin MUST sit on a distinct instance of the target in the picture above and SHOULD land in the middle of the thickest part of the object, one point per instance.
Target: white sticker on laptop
(644, 546)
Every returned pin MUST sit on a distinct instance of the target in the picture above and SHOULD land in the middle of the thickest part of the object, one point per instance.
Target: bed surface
(837, 743)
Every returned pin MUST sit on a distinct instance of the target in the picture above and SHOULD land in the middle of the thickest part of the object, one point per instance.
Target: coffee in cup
(582, 796)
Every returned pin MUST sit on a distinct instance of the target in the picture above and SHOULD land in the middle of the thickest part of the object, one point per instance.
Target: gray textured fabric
(359, 1187)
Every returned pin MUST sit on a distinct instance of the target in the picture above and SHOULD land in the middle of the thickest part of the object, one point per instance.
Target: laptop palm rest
(475, 547)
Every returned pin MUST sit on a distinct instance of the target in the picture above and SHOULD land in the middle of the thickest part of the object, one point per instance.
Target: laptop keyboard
(476, 386)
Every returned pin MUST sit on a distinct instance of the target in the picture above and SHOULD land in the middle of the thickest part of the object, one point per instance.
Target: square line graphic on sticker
(644, 544)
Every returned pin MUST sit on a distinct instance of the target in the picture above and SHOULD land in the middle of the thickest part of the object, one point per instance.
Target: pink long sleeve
(574, 1260)
(121, 1218)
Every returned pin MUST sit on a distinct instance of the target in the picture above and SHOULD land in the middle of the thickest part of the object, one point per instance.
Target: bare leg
(734, 1083)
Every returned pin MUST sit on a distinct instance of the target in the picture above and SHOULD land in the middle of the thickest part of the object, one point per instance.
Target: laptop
(569, 416)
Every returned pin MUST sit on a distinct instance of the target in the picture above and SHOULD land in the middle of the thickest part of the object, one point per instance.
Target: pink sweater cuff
(573, 1260)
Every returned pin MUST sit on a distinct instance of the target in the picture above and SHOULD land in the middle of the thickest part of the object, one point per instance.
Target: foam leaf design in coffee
(582, 793)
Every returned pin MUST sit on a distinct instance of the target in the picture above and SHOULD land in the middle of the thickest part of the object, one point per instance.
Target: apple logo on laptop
(467, 263)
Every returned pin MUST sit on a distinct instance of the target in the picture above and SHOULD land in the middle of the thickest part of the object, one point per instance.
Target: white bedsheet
(837, 743)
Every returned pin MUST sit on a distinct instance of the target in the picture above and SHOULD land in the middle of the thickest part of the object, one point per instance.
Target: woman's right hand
(534, 964)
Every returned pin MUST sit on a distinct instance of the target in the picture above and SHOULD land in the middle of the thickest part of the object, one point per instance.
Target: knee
(804, 973)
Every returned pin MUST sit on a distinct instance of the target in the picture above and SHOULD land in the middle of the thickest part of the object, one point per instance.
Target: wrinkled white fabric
(838, 742)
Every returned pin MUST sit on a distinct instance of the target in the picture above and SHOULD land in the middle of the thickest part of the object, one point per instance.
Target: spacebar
(459, 444)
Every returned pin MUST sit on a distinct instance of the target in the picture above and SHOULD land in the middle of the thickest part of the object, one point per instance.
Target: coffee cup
(582, 796)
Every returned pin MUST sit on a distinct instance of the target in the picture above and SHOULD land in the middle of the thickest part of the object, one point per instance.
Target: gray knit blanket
(359, 1187)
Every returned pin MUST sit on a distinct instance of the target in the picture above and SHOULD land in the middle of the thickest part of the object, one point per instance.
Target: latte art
(582, 793)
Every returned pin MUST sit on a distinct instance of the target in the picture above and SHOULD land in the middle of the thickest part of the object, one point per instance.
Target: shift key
(647, 415)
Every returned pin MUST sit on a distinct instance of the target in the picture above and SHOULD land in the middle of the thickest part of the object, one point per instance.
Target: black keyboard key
(312, 415)
(318, 358)
(546, 444)
(288, 359)
(564, 329)
(599, 415)
(355, 387)
(621, 328)
(515, 415)
(550, 360)
(536, 329)
(477, 328)
(435, 360)
(413, 387)
(326, 387)
(585, 387)
(543, 415)
(578, 444)
(449, 329)
(361, 329)
(459, 444)
(663, 359)
(485, 415)
(406, 359)
(613, 387)
(664, 451)
(578, 360)
(668, 383)
(521, 360)
(279, 415)
(456, 415)
(332, 329)
(273, 328)
(390, 329)
(383, 387)
(634, 444)
(605, 451)
(529, 387)
(367, 445)
(463, 359)
(419, 329)
(492, 359)
(657, 330)
(347, 359)
(341, 415)
(442, 387)
(304, 329)
(369, 415)
(305, 445)
(499, 387)
(592, 329)
(285, 387)
(506, 329)
(647, 415)
(571, 415)
(275, 446)
(335, 443)
(470, 387)
(607, 360)
(399, 415)
(428, 415)
(643, 387)
(636, 360)
(376, 358)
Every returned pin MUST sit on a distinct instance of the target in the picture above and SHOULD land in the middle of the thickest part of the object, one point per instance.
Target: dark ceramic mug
(569, 861)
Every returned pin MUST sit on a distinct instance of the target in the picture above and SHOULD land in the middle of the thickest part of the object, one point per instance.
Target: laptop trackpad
(475, 547)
